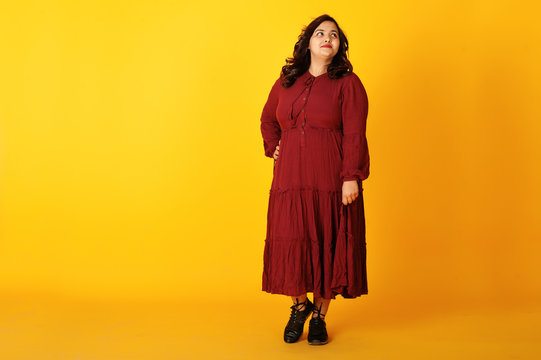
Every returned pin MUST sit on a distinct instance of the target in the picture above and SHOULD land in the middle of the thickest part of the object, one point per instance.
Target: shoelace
(318, 313)
(294, 311)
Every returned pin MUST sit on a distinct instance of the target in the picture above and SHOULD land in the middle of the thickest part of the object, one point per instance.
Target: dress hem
(289, 293)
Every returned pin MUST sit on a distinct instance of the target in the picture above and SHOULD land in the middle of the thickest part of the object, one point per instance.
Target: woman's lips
(327, 46)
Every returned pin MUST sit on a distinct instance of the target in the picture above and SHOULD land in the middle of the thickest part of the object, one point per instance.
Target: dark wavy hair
(300, 62)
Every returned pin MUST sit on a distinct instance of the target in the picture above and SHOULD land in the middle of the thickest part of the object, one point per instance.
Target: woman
(313, 125)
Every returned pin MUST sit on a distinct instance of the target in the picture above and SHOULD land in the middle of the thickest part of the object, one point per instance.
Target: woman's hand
(277, 151)
(350, 191)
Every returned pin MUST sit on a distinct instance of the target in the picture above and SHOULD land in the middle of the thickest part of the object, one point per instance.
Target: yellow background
(134, 186)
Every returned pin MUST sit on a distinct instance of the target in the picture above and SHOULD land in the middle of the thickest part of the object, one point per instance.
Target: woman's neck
(318, 68)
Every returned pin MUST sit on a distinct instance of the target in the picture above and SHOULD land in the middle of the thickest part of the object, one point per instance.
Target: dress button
(302, 132)
(304, 98)
(303, 123)
(302, 110)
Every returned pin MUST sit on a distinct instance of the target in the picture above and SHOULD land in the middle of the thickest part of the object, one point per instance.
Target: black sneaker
(317, 330)
(295, 325)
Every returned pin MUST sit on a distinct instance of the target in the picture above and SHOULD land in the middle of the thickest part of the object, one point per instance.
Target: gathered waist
(307, 126)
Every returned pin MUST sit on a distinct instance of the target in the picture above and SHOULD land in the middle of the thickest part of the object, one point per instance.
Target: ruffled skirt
(314, 243)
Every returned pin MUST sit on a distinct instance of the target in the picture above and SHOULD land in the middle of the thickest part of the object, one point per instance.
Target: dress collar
(309, 78)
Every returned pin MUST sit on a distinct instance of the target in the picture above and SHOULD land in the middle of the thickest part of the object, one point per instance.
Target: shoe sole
(317, 342)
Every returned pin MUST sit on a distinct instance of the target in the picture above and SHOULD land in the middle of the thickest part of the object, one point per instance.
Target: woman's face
(325, 41)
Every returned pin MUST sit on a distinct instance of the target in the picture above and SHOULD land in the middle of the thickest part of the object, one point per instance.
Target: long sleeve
(356, 159)
(270, 127)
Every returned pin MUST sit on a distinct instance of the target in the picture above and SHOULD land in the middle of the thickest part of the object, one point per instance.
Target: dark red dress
(314, 243)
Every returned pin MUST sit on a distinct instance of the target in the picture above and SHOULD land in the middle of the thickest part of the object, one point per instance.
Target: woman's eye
(321, 32)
